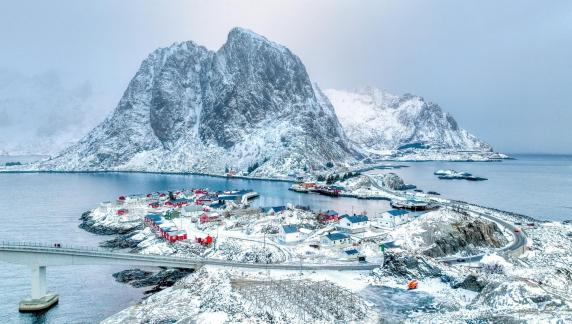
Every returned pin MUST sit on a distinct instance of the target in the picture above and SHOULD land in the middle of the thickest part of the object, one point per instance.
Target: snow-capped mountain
(378, 122)
(248, 106)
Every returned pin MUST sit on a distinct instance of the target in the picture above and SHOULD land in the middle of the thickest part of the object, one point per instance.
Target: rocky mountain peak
(248, 106)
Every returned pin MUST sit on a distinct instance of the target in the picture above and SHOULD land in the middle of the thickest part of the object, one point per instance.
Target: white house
(192, 210)
(354, 224)
(395, 217)
(289, 233)
(336, 238)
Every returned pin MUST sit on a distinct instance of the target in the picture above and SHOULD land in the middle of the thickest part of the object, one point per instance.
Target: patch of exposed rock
(139, 278)
(393, 181)
(471, 282)
(407, 266)
(464, 235)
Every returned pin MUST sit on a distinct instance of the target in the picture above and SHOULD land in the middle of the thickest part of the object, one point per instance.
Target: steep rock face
(464, 235)
(379, 121)
(191, 109)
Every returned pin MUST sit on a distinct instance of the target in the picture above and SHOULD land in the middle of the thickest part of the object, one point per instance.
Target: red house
(121, 212)
(329, 216)
(201, 201)
(204, 241)
(206, 218)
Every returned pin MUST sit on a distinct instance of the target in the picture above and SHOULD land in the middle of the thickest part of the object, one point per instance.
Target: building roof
(336, 236)
(292, 228)
(397, 212)
(217, 205)
(154, 216)
(192, 208)
(275, 209)
(351, 252)
(357, 218)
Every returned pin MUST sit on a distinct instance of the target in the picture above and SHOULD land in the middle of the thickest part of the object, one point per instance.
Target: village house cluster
(199, 216)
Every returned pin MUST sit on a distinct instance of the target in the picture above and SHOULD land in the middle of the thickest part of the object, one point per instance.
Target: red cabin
(204, 241)
(121, 212)
(154, 205)
(206, 218)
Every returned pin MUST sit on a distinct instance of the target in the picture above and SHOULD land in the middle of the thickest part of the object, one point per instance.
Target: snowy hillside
(248, 106)
(380, 122)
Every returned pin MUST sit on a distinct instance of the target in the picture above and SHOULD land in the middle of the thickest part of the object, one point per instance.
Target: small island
(456, 175)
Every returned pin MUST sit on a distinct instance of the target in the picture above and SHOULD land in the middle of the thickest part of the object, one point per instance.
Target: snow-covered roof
(192, 208)
(357, 218)
(331, 212)
(291, 228)
(336, 236)
(397, 212)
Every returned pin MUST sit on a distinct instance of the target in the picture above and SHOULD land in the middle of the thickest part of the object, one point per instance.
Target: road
(519, 237)
(41, 254)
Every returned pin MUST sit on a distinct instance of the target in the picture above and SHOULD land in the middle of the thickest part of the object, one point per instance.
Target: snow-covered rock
(380, 122)
(190, 109)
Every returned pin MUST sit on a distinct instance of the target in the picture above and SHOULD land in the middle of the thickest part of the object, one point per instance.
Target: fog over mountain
(41, 115)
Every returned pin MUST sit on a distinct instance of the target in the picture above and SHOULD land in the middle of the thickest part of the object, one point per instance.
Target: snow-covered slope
(379, 121)
(191, 109)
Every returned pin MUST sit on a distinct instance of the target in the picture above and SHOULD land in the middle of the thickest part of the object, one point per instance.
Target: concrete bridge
(39, 256)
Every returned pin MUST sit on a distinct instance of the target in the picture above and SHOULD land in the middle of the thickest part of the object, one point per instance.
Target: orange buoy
(412, 284)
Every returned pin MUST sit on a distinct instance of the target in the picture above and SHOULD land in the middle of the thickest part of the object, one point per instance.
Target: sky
(503, 69)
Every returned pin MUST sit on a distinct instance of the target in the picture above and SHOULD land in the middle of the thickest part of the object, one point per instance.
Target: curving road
(46, 255)
(519, 238)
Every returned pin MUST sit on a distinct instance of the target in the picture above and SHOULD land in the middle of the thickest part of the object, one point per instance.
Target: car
(517, 230)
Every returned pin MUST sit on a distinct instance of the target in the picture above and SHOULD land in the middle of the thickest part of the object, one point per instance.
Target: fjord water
(44, 207)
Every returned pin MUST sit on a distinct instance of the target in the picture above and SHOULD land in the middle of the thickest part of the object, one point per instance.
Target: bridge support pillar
(38, 282)
(40, 299)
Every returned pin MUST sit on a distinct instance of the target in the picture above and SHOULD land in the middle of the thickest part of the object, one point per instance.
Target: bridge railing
(90, 250)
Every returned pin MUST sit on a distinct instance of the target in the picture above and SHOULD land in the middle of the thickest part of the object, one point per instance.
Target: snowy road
(519, 238)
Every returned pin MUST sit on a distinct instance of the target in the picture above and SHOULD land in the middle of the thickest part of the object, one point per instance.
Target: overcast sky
(502, 68)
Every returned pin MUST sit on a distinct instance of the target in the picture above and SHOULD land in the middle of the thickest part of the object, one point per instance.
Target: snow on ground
(501, 288)
(218, 295)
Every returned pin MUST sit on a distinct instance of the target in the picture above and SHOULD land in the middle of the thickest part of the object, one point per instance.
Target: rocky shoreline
(160, 280)
(89, 225)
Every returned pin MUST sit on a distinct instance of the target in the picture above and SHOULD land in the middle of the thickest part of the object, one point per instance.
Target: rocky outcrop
(124, 241)
(464, 235)
(90, 225)
(407, 266)
(127, 276)
(393, 181)
(139, 278)
(470, 282)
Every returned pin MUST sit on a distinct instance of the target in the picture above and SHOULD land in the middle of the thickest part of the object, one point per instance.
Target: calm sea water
(535, 185)
(45, 207)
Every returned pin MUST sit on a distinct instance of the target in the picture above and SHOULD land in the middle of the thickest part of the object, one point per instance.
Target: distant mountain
(250, 106)
(380, 122)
